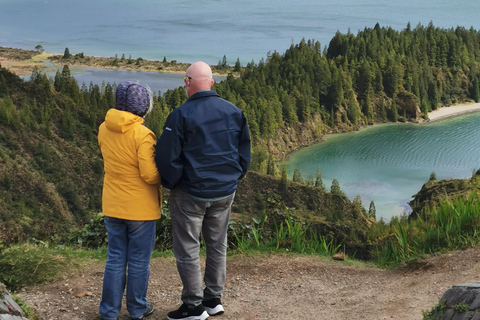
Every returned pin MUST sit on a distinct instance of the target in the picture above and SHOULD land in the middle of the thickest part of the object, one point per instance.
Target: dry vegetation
(22, 62)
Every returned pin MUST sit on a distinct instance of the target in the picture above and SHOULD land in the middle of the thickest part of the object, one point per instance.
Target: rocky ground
(280, 287)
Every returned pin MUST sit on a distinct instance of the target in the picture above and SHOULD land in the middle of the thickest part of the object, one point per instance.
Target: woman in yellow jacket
(131, 201)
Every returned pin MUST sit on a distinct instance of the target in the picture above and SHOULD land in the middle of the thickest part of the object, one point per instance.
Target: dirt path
(281, 287)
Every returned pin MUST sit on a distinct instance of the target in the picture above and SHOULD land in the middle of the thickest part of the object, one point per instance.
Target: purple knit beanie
(133, 97)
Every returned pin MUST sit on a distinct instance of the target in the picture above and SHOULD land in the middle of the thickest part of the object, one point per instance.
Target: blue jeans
(130, 243)
(191, 217)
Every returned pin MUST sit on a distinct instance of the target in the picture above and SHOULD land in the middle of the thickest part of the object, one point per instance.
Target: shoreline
(452, 111)
(441, 113)
(22, 62)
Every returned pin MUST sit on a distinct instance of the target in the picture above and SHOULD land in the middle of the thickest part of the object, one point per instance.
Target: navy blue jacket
(205, 147)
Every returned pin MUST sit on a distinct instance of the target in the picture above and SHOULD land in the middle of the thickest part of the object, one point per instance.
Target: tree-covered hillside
(378, 75)
(51, 168)
(51, 172)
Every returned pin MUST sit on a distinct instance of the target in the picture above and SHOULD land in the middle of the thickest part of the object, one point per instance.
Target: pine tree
(3, 87)
(297, 176)
(271, 167)
(222, 64)
(433, 96)
(335, 92)
(318, 181)
(475, 89)
(238, 66)
(284, 175)
(66, 54)
(394, 112)
(372, 211)
(357, 202)
(335, 188)
(57, 82)
(310, 181)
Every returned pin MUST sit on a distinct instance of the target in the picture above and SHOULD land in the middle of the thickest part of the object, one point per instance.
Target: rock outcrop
(462, 302)
(9, 309)
(433, 191)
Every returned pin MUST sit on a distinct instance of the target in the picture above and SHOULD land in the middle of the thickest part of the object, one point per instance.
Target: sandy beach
(453, 111)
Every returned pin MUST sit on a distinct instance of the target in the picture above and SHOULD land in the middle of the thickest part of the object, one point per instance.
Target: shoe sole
(149, 313)
(146, 314)
(215, 311)
(203, 316)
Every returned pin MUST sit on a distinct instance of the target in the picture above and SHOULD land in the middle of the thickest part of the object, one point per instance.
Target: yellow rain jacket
(131, 188)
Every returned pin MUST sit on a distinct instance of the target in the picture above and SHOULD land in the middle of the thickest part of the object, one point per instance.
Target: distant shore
(453, 111)
(22, 62)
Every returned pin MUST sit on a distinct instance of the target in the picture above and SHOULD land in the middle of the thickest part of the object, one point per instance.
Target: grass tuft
(29, 264)
(451, 224)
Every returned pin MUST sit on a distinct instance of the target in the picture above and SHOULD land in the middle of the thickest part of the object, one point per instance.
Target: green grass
(450, 224)
(161, 254)
(35, 263)
(29, 313)
(39, 262)
(289, 235)
(438, 310)
(29, 264)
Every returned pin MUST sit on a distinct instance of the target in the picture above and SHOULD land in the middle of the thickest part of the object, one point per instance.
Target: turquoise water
(207, 30)
(389, 163)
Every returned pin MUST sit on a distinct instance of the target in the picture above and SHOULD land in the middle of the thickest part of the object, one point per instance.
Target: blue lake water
(207, 30)
(386, 163)
(158, 82)
(389, 163)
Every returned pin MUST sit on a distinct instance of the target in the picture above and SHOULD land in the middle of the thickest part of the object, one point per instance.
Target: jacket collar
(203, 94)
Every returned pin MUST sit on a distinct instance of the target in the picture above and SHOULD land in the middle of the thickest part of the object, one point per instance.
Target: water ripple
(387, 164)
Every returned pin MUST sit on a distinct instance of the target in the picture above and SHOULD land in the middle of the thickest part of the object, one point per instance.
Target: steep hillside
(330, 214)
(51, 172)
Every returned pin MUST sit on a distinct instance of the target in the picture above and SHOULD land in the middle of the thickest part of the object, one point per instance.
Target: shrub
(30, 264)
(92, 235)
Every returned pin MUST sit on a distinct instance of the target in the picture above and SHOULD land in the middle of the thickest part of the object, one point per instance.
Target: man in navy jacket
(202, 153)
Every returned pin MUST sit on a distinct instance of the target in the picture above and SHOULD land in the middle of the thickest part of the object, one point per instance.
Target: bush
(30, 264)
(92, 235)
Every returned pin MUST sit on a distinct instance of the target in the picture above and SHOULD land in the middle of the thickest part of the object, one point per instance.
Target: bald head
(199, 77)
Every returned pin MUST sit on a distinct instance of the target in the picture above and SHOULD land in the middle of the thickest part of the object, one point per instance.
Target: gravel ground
(280, 286)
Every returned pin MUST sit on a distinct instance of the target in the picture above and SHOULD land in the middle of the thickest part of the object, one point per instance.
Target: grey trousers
(190, 218)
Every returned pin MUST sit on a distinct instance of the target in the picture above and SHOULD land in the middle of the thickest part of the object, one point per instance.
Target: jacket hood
(121, 121)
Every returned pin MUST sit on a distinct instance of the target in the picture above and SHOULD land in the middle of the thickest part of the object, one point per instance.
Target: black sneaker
(185, 313)
(147, 312)
(213, 307)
